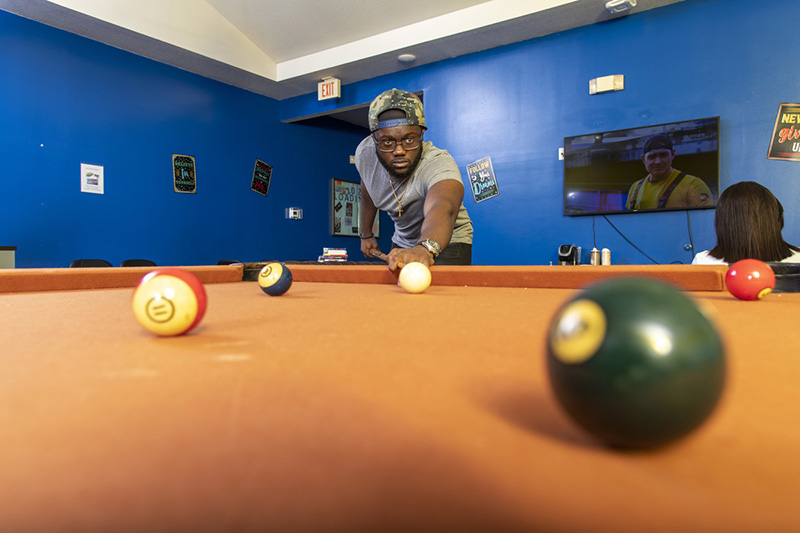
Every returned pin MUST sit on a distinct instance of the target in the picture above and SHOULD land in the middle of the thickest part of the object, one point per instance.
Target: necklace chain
(399, 200)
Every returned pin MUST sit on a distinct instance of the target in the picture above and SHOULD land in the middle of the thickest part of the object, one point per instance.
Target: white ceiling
(283, 48)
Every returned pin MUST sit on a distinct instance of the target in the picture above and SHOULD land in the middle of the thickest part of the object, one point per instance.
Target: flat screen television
(601, 169)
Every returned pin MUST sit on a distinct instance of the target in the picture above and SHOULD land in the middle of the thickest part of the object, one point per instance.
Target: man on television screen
(665, 187)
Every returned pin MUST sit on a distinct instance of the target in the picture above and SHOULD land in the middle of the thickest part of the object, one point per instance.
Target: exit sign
(329, 88)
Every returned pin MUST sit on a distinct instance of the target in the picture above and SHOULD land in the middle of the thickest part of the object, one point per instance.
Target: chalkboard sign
(482, 180)
(184, 173)
(261, 176)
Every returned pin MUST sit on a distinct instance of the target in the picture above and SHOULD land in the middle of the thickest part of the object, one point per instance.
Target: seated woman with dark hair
(749, 225)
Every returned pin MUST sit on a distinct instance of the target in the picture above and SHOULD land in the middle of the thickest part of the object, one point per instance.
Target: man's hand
(400, 257)
(369, 247)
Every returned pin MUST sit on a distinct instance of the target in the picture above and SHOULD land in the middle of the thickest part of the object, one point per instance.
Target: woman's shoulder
(705, 258)
(794, 258)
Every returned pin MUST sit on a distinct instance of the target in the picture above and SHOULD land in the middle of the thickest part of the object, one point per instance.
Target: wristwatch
(432, 246)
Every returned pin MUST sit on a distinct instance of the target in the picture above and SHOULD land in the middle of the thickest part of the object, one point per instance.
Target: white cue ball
(414, 278)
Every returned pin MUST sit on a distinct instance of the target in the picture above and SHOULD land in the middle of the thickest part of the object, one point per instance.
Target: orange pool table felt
(347, 406)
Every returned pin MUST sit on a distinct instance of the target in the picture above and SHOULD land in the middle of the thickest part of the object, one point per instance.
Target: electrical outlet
(294, 213)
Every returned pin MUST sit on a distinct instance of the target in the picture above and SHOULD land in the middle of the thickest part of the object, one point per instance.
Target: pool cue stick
(385, 257)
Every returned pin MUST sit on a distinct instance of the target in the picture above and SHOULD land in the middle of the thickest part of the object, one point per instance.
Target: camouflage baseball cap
(405, 101)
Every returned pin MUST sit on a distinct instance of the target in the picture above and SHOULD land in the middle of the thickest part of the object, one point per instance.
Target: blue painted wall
(66, 100)
(730, 58)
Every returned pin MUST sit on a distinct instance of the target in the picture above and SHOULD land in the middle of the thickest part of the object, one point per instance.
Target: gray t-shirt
(434, 166)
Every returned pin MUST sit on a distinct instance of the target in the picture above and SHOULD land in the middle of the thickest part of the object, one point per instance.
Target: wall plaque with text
(262, 174)
(482, 180)
(785, 143)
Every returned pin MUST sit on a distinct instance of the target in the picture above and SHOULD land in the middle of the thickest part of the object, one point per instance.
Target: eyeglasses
(390, 145)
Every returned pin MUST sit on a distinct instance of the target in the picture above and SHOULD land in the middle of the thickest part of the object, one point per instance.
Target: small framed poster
(482, 180)
(184, 173)
(346, 209)
(261, 178)
(785, 143)
(92, 178)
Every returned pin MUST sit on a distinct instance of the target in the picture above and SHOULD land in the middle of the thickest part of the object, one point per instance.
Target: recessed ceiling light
(619, 6)
(406, 59)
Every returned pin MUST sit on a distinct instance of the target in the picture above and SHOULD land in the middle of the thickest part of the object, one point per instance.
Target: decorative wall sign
(261, 177)
(482, 180)
(92, 178)
(346, 209)
(184, 173)
(785, 143)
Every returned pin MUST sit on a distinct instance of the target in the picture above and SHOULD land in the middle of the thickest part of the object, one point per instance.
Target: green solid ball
(635, 362)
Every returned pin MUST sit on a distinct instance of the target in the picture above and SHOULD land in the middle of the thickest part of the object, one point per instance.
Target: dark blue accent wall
(735, 59)
(65, 100)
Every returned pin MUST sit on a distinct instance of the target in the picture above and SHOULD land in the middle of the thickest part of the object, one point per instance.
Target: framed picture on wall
(345, 209)
(262, 174)
(184, 174)
(482, 179)
(784, 144)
